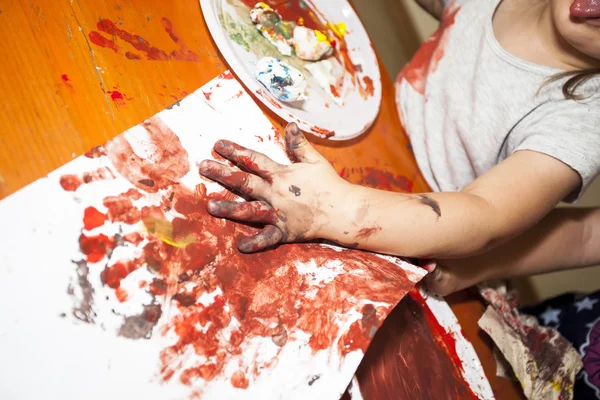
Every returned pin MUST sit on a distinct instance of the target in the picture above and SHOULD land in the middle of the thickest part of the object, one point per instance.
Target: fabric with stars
(577, 318)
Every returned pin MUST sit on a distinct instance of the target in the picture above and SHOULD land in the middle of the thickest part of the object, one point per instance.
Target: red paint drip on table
(65, 79)
(140, 44)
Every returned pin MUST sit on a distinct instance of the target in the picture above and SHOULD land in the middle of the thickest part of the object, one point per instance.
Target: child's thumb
(440, 280)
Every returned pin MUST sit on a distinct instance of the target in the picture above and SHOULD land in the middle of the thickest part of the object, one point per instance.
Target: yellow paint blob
(339, 29)
(320, 36)
(164, 231)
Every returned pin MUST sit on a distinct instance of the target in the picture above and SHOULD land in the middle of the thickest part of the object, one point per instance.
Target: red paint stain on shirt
(427, 58)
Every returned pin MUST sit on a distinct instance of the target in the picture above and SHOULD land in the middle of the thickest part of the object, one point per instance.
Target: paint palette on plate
(321, 40)
(118, 284)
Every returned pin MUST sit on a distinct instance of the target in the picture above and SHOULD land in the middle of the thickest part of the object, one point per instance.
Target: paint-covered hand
(449, 276)
(292, 200)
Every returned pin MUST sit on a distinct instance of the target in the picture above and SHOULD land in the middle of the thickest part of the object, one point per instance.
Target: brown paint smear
(264, 292)
(407, 359)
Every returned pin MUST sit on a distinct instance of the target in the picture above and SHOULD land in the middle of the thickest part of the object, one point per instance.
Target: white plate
(318, 115)
(471, 368)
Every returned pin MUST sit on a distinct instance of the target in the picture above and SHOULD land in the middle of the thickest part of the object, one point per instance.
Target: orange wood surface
(62, 94)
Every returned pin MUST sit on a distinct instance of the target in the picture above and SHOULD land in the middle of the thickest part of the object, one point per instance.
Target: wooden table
(63, 93)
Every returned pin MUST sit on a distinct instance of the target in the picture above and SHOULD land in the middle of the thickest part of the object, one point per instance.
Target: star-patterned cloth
(577, 318)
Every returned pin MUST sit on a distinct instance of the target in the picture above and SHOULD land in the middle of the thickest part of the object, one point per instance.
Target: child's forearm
(566, 238)
(421, 225)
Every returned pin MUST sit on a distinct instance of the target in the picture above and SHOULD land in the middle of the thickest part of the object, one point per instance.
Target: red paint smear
(227, 75)
(121, 294)
(96, 152)
(138, 42)
(207, 95)
(65, 79)
(441, 333)
(101, 41)
(165, 167)
(92, 218)
(263, 291)
(268, 98)
(118, 97)
(239, 380)
(408, 351)
(70, 182)
(169, 29)
(386, 180)
(141, 44)
(95, 247)
(369, 85)
(102, 173)
(120, 208)
(134, 238)
(321, 131)
(334, 91)
(73, 182)
(113, 275)
(361, 332)
(132, 56)
(426, 60)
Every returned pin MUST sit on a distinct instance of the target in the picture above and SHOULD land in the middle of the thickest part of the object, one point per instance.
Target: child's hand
(293, 200)
(449, 276)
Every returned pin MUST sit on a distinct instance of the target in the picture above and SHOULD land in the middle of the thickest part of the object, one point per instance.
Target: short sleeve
(567, 130)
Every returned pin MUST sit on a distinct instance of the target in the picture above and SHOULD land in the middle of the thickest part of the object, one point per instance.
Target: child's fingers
(440, 280)
(255, 211)
(268, 237)
(298, 146)
(250, 160)
(233, 178)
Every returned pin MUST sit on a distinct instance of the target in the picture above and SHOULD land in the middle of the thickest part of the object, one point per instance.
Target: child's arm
(433, 7)
(565, 239)
(308, 200)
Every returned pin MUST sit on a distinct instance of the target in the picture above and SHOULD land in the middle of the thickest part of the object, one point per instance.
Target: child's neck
(526, 30)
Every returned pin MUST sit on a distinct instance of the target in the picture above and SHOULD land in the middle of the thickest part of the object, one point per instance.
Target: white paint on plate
(319, 114)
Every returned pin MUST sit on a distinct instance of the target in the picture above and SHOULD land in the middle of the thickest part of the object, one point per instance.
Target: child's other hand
(449, 276)
(292, 200)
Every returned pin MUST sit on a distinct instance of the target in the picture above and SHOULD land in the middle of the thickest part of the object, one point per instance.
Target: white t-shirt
(467, 104)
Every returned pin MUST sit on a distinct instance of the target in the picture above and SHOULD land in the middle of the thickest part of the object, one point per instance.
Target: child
(502, 106)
